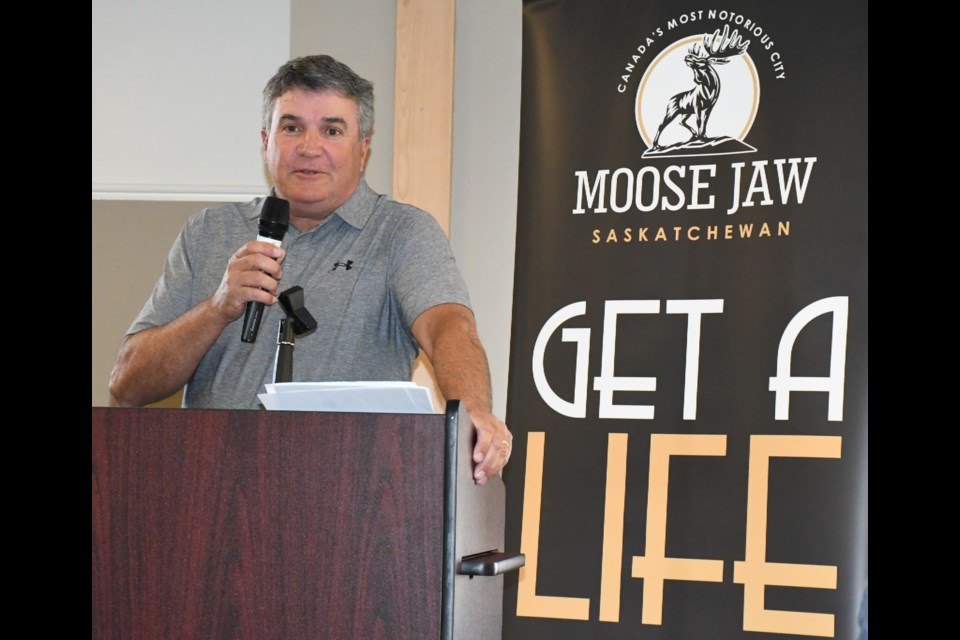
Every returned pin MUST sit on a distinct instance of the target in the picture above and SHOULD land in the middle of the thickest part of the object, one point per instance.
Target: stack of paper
(354, 397)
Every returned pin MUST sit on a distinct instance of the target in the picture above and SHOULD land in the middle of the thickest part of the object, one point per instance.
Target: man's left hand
(493, 448)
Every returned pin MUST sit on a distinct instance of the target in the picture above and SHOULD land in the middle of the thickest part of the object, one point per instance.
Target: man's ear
(364, 153)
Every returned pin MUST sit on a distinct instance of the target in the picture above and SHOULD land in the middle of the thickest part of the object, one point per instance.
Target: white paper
(355, 397)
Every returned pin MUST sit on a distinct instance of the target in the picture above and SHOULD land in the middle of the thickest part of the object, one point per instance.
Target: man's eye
(289, 128)
(333, 132)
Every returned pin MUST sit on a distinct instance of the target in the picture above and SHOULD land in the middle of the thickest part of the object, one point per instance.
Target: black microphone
(274, 220)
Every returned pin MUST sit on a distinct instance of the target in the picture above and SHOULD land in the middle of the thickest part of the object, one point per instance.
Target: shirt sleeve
(172, 293)
(423, 270)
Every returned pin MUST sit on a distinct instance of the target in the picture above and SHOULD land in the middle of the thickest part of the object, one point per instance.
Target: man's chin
(314, 208)
(306, 198)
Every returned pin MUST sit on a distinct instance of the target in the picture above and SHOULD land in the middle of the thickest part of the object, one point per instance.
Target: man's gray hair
(321, 73)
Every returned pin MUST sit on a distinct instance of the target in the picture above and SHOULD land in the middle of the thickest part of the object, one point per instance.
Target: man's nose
(311, 144)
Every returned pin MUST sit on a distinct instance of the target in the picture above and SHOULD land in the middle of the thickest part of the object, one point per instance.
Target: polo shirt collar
(355, 211)
(358, 207)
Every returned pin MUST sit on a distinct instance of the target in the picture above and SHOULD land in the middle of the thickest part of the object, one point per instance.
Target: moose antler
(724, 46)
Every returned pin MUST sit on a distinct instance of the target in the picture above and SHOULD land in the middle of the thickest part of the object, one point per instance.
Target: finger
(480, 450)
(497, 455)
(266, 249)
(260, 281)
(259, 263)
(259, 294)
(481, 453)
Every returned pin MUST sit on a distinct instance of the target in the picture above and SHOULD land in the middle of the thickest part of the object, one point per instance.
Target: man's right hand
(253, 275)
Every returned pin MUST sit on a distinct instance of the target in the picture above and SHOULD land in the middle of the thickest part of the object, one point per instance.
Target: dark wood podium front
(216, 524)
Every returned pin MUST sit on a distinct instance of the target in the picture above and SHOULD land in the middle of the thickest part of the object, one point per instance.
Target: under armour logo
(346, 265)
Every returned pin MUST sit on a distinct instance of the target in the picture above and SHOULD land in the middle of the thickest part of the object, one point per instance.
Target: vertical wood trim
(423, 123)
(423, 106)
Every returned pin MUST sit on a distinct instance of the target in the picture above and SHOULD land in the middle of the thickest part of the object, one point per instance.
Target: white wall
(176, 96)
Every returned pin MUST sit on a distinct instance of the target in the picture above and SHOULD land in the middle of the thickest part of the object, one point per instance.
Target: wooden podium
(244, 524)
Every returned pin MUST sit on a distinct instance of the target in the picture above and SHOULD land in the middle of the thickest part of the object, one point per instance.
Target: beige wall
(486, 139)
(130, 239)
(130, 242)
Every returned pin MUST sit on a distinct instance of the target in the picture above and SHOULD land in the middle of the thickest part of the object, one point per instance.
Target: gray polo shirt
(367, 272)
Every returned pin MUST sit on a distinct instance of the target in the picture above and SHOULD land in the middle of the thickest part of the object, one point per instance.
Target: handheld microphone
(274, 220)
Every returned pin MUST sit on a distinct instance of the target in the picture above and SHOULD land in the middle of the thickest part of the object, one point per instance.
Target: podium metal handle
(491, 563)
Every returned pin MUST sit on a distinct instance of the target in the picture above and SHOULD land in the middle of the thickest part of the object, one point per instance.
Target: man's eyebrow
(289, 117)
(335, 120)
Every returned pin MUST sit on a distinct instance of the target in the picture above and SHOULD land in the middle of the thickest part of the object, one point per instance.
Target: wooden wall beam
(423, 106)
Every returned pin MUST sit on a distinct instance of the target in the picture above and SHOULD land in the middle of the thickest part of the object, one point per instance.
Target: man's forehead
(298, 94)
(329, 105)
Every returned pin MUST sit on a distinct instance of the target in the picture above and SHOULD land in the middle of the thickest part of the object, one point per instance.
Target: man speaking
(378, 275)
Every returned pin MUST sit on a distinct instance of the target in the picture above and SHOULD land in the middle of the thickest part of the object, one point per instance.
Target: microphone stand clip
(298, 322)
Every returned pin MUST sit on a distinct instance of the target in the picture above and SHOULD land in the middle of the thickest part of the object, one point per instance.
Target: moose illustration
(716, 48)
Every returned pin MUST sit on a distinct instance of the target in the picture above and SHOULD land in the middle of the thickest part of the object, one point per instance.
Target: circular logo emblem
(699, 96)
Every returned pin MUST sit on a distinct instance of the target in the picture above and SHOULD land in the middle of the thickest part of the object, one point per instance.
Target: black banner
(688, 365)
